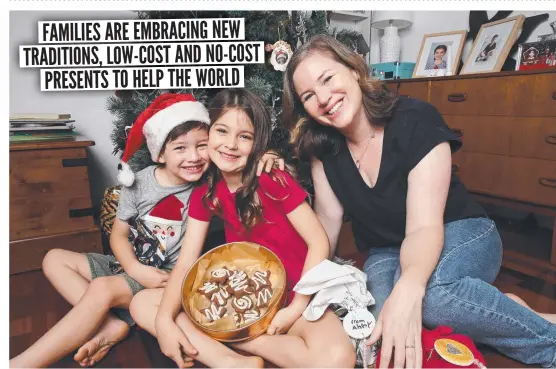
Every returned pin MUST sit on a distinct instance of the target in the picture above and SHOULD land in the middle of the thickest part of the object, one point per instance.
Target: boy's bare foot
(550, 317)
(111, 332)
(240, 361)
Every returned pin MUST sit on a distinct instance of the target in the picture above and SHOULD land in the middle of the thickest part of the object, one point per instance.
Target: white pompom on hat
(153, 125)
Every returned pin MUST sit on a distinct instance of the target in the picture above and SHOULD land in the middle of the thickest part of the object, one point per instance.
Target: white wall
(89, 108)
(425, 22)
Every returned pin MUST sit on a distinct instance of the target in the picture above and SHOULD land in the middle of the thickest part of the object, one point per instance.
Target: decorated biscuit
(236, 275)
(251, 315)
(208, 289)
(219, 275)
(241, 304)
(220, 297)
(239, 285)
(263, 297)
(261, 280)
(214, 312)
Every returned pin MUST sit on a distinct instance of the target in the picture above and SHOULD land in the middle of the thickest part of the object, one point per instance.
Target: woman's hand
(270, 159)
(174, 343)
(283, 320)
(399, 324)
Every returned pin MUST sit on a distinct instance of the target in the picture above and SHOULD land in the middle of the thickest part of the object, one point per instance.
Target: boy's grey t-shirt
(162, 209)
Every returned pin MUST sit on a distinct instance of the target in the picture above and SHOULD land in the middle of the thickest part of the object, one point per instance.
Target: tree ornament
(281, 55)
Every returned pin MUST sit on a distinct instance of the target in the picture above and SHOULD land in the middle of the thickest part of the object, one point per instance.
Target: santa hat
(168, 212)
(153, 125)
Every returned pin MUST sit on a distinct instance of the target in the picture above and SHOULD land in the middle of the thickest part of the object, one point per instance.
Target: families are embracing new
(384, 161)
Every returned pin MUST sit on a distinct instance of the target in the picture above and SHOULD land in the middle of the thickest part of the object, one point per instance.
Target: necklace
(358, 161)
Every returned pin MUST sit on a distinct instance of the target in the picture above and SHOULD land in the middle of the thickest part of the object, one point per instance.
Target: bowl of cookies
(233, 291)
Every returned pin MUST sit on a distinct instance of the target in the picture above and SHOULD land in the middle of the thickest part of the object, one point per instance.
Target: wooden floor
(35, 307)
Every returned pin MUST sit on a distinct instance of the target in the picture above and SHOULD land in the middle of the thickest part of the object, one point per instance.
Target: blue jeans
(459, 294)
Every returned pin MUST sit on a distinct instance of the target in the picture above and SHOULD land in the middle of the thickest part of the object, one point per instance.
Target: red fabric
(168, 208)
(135, 138)
(276, 233)
(436, 361)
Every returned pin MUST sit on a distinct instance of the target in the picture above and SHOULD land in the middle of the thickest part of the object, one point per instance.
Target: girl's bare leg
(212, 353)
(323, 343)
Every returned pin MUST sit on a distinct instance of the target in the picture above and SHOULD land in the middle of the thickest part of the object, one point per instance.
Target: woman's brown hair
(248, 205)
(311, 139)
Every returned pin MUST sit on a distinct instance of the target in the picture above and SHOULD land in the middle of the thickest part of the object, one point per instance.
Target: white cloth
(332, 283)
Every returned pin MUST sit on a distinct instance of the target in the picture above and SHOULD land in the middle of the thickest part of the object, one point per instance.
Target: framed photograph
(492, 45)
(536, 55)
(439, 54)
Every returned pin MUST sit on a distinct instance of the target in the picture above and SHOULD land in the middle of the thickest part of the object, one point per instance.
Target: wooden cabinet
(50, 202)
(507, 123)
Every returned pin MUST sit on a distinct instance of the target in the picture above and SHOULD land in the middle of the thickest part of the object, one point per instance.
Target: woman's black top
(378, 214)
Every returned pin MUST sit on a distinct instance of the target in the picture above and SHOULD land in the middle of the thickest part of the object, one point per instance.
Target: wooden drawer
(27, 255)
(523, 137)
(482, 134)
(522, 179)
(534, 138)
(416, 90)
(524, 95)
(49, 192)
(535, 95)
(481, 96)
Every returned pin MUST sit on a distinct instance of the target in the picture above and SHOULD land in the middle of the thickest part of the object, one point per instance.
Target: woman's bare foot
(240, 361)
(111, 332)
(550, 317)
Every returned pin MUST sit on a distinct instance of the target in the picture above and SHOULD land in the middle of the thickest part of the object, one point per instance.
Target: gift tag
(456, 353)
(359, 323)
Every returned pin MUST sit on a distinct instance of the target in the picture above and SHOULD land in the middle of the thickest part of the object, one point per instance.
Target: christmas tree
(294, 28)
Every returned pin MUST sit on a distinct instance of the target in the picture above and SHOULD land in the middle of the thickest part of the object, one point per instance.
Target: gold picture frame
(492, 45)
(430, 60)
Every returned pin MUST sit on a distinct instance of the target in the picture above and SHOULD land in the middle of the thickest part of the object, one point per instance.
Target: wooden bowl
(258, 254)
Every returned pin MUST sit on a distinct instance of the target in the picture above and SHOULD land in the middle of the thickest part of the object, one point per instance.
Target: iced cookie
(261, 280)
(214, 312)
(208, 289)
(237, 275)
(219, 275)
(241, 304)
(251, 315)
(239, 285)
(263, 297)
(220, 297)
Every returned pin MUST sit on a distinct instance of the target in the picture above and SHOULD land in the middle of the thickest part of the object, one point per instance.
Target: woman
(386, 162)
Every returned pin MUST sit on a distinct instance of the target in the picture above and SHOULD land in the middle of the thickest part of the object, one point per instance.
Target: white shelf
(348, 16)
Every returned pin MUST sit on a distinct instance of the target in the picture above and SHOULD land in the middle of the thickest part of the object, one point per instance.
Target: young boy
(100, 287)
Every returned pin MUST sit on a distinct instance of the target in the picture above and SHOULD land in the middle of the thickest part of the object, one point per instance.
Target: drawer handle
(547, 182)
(554, 95)
(550, 139)
(78, 213)
(457, 97)
(455, 168)
(457, 131)
(81, 162)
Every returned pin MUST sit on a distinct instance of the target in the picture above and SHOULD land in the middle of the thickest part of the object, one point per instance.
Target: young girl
(271, 211)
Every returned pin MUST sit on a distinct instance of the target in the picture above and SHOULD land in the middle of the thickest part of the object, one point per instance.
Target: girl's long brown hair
(311, 139)
(248, 205)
